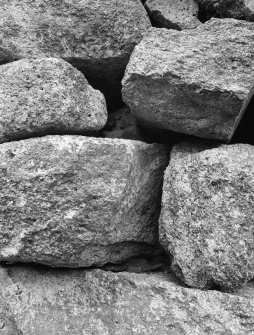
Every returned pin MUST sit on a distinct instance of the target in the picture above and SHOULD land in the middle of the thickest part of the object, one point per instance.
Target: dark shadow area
(202, 14)
(245, 130)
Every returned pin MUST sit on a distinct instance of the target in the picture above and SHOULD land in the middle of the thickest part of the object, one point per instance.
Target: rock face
(79, 201)
(206, 222)
(46, 96)
(238, 9)
(173, 14)
(196, 81)
(97, 302)
(122, 124)
(7, 323)
(97, 36)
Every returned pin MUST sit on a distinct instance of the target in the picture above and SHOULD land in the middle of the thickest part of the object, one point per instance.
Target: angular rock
(173, 14)
(97, 36)
(238, 9)
(97, 302)
(79, 201)
(196, 81)
(46, 96)
(206, 222)
(122, 124)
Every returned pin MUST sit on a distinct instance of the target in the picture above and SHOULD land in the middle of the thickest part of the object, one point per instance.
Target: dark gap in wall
(245, 130)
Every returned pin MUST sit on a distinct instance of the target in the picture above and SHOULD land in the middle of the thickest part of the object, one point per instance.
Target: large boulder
(238, 9)
(195, 81)
(207, 217)
(79, 201)
(173, 14)
(46, 96)
(96, 302)
(97, 36)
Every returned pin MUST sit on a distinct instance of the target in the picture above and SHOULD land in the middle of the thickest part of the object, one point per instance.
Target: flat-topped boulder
(173, 14)
(197, 81)
(238, 9)
(97, 36)
(47, 96)
(207, 217)
(79, 201)
(62, 302)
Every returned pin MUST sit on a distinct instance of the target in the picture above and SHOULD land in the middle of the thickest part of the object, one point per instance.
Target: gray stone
(238, 9)
(122, 124)
(7, 323)
(173, 14)
(207, 217)
(47, 96)
(195, 81)
(96, 302)
(79, 201)
(97, 36)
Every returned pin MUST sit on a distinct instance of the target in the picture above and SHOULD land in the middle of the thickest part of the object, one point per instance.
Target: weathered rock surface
(122, 124)
(206, 222)
(173, 14)
(238, 9)
(97, 36)
(196, 81)
(7, 323)
(46, 96)
(79, 201)
(97, 302)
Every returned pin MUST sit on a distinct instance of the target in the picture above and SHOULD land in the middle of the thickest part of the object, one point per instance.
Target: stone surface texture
(97, 36)
(122, 124)
(79, 201)
(196, 81)
(46, 96)
(173, 14)
(238, 9)
(206, 222)
(7, 323)
(96, 302)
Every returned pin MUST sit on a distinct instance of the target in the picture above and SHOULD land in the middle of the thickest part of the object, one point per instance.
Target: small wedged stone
(64, 302)
(96, 36)
(197, 81)
(122, 124)
(238, 9)
(206, 222)
(79, 201)
(47, 96)
(173, 14)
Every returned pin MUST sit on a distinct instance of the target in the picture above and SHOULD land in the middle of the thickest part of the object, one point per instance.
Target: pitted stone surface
(79, 201)
(195, 81)
(206, 222)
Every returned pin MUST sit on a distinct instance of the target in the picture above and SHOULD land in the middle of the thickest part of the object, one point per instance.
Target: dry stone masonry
(117, 215)
(195, 81)
(94, 35)
(45, 96)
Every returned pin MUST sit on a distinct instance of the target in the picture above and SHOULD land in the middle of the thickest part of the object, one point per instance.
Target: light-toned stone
(173, 14)
(96, 302)
(195, 81)
(207, 217)
(47, 96)
(238, 9)
(97, 36)
(79, 201)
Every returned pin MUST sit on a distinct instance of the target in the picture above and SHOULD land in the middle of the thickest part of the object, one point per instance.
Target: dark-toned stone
(45, 96)
(238, 9)
(206, 222)
(197, 81)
